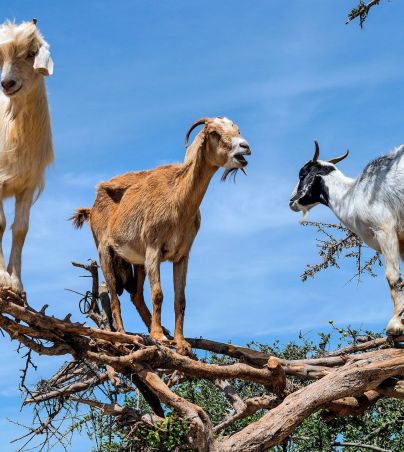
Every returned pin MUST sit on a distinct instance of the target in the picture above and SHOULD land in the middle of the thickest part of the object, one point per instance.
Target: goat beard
(305, 216)
(232, 172)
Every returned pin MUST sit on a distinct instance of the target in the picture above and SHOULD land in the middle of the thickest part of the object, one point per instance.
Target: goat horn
(316, 151)
(195, 124)
(34, 21)
(338, 159)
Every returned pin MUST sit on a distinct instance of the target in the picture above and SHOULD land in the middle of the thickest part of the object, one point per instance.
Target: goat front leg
(389, 245)
(5, 279)
(152, 265)
(138, 298)
(180, 277)
(23, 203)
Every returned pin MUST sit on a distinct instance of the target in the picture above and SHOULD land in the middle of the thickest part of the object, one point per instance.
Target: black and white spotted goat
(372, 206)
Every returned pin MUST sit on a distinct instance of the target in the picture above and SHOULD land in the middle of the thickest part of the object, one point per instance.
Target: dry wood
(362, 11)
(345, 382)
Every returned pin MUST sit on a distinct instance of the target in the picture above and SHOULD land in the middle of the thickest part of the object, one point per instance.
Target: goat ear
(43, 62)
(322, 191)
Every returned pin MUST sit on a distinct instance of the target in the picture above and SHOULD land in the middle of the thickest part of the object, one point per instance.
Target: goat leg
(23, 203)
(390, 248)
(152, 264)
(138, 299)
(106, 263)
(5, 279)
(180, 276)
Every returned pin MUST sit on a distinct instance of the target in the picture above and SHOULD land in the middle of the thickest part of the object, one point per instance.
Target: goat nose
(7, 84)
(246, 147)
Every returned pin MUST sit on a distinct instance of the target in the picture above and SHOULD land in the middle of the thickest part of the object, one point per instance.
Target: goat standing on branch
(141, 219)
(372, 206)
(25, 135)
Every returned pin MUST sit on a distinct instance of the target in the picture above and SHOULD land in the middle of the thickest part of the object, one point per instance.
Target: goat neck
(337, 188)
(26, 137)
(193, 180)
(30, 123)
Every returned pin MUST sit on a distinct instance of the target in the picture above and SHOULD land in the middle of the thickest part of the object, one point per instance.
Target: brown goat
(143, 218)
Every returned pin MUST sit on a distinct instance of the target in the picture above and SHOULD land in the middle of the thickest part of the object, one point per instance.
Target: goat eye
(31, 54)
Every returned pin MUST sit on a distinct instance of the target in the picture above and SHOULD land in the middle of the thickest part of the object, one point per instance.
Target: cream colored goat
(147, 217)
(25, 134)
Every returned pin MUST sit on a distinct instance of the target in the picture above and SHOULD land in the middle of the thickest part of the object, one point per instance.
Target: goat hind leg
(23, 203)
(106, 263)
(138, 299)
(389, 245)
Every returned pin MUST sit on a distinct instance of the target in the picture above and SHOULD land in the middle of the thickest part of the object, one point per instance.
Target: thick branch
(355, 377)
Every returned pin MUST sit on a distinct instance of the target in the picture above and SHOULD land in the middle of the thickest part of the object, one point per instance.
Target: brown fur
(80, 217)
(147, 217)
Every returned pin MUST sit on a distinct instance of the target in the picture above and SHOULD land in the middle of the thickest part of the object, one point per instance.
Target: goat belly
(130, 254)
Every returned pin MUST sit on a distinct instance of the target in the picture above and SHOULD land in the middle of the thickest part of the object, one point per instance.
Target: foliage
(381, 426)
(167, 436)
(336, 242)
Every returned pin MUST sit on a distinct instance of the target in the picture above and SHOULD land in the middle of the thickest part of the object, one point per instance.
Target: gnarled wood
(345, 382)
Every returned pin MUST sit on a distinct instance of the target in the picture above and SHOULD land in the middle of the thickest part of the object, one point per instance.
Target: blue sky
(131, 76)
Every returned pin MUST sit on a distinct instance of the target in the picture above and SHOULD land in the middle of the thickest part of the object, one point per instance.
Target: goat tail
(80, 217)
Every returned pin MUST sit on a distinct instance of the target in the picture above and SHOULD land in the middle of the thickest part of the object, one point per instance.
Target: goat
(144, 218)
(25, 134)
(372, 206)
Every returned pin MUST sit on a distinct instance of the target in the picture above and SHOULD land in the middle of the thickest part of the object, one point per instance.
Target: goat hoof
(395, 327)
(5, 280)
(16, 285)
(158, 337)
(184, 348)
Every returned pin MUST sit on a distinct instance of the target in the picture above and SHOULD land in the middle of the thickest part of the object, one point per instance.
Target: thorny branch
(331, 249)
(361, 11)
(107, 365)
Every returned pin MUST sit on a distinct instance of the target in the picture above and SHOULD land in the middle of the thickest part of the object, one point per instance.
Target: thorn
(67, 318)
(44, 308)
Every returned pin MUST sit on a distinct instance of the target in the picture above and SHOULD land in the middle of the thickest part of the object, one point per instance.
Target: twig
(364, 446)
(361, 11)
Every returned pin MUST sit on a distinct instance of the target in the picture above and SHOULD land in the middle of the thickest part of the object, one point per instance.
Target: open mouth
(240, 158)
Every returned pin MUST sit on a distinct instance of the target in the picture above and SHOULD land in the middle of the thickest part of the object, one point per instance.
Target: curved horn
(341, 157)
(195, 124)
(316, 151)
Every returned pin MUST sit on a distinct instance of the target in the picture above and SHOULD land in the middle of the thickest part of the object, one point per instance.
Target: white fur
(25, 134)
(372, 206)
